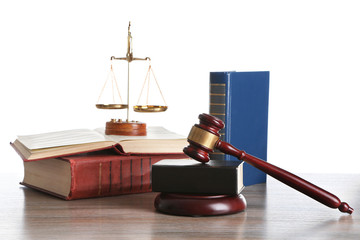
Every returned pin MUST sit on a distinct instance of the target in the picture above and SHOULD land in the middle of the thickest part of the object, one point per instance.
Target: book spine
(113, 176)
(218, 105)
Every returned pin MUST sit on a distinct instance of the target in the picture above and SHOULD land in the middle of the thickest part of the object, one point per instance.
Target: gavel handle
(287, 178)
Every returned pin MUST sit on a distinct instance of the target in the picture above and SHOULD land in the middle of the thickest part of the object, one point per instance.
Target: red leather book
(96, 174)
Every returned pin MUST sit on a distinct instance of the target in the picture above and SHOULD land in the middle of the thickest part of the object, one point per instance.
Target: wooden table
(274, 211)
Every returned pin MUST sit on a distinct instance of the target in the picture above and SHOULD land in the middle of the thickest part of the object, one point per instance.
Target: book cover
(96, 174)
(191, 177)
(241, 100)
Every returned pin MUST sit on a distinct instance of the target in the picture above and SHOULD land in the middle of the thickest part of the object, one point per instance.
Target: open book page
(61, 138)
(152, 134)
(82, 136)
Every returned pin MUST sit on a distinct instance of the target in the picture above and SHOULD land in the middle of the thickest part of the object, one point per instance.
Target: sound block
(199, 205)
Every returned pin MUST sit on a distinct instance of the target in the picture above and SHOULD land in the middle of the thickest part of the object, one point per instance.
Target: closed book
(191, 177)
(241, 100)
(97, 174)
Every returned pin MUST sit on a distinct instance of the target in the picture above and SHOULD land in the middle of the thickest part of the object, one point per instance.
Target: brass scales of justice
(130, 128)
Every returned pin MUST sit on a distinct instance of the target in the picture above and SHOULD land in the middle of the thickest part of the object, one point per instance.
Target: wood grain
(274, 211)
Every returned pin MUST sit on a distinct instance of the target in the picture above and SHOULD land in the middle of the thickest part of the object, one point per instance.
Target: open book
(46, 145)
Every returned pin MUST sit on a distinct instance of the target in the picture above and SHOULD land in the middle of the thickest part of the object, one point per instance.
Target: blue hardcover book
(241, 100)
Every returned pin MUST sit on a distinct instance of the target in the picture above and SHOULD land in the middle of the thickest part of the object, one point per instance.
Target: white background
(55, 56)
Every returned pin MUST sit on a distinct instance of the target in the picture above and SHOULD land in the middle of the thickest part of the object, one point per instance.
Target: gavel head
(203, 137)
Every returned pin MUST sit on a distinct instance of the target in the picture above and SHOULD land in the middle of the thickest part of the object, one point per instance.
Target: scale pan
(150, 108)
(111, 106)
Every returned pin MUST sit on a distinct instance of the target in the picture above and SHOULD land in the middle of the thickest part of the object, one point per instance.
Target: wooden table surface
(274, 211)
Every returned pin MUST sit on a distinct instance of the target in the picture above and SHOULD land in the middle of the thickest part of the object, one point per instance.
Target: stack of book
(86, 163)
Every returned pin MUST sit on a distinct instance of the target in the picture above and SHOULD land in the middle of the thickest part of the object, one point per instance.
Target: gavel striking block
(191, 188)
(204, 138)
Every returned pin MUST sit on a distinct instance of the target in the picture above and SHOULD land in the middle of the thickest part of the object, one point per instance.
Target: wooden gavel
(205, 137)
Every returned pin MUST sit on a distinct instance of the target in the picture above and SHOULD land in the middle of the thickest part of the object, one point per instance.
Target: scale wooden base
(118, 127)
(199, 205)
(128, 128)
